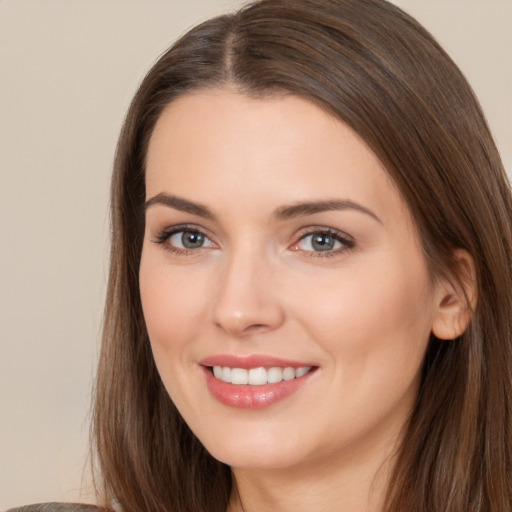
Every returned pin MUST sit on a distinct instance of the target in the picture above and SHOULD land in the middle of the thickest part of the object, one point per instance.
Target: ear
(456, 298)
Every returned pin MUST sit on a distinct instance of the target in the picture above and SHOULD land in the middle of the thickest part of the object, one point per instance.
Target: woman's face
(285, 293)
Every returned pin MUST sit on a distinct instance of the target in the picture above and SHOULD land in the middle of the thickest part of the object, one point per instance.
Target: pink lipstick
(254, 382)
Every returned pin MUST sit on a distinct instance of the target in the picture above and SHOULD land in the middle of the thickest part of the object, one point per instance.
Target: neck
(357, 484)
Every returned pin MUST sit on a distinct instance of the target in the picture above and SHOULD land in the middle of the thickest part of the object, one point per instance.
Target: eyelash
(345, 240)
(164, 236)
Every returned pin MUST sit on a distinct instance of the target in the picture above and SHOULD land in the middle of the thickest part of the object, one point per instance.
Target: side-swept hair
(377, 70)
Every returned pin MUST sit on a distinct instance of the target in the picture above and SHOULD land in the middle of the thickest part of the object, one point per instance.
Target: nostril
(256, 327)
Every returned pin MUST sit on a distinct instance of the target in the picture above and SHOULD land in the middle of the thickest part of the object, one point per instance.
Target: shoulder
(57, 507)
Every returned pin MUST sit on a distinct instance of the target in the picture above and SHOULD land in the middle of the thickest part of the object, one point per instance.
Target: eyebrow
(310, 208)
(178, 203)
(292, 211)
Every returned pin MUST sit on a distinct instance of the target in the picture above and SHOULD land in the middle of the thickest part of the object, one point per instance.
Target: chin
(255, 459)
(261, 451)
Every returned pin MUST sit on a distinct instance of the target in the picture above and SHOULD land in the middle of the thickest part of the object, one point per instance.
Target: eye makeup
(313, 241)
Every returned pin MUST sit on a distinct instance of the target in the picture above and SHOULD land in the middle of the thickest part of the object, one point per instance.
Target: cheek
(374, 332)
(172, 304)
(372, 318)
(392, 308)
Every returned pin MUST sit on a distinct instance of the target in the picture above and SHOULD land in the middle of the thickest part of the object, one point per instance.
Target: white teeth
(258, 376)
(226, 374)
(239, 376)
(289, 373)
(300, 372)
(274, 375)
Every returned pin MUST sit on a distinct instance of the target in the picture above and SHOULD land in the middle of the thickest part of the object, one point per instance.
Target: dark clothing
(56, 507)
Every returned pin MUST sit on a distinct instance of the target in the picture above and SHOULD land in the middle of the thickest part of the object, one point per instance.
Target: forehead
(223, 144)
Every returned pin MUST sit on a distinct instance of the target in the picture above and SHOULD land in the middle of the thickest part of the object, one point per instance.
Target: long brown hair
(380, 72)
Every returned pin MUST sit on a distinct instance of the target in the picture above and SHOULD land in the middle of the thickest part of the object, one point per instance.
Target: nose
(248, 296)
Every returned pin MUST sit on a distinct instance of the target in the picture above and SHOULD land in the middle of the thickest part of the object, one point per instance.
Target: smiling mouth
(258, 376)
(254, 383)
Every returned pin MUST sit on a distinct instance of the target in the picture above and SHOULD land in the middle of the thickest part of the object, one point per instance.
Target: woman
(309, 300)
(258, 142)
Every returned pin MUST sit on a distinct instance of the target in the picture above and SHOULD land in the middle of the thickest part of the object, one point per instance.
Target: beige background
(67, 72)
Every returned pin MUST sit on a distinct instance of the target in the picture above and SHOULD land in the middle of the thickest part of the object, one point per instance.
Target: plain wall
(68, 70)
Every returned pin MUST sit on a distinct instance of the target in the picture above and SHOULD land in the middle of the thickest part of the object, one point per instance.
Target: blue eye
(323, 241)
(183, 239)
(188, 239)
(318, 242)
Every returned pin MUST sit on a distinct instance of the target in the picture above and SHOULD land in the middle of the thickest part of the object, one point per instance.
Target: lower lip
(252, 397)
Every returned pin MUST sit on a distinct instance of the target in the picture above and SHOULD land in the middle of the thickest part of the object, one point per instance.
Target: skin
(362, 313)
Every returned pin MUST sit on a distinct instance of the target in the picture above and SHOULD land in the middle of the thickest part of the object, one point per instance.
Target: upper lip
(254, 361)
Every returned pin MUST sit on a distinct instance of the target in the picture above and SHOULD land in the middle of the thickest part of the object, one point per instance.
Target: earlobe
(456, 298)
